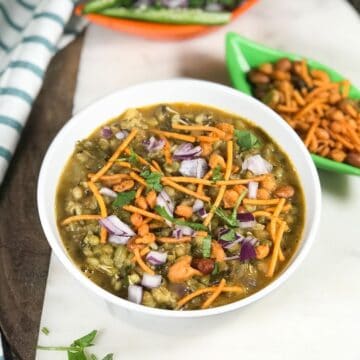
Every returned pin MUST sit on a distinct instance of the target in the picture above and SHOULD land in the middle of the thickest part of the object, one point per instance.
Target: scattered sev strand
(202, 291)
(185, 190)
(171, 240)
(240, 181)
(172, 135)
(116, 154)
(103, 210)
(276, 249)
(214, 295)
(138, 178)
(141, 160)
(199, 128)
(141, 263)
(200, 187)
(229, 163)
(136, 210)
(74, 218)
(189, 180)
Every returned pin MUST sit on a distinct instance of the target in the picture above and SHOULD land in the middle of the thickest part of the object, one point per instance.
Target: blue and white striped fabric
(31, 31)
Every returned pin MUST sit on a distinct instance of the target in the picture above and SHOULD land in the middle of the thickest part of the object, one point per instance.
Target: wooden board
(24, 251)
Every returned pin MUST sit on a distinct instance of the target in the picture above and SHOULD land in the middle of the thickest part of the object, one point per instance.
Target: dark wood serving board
(24, 251)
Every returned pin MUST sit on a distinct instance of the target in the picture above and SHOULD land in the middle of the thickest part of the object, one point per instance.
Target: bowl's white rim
(71, 267)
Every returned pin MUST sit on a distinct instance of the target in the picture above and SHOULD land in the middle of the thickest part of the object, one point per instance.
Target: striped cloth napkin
(31, 32)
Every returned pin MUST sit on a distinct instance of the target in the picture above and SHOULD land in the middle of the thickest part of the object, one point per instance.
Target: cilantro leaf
(231, 219)
(217, 175)
(246, 139)
(216, 269)
(195, 226)
(153, 180)
(133, 159)
(124, 198)
(206, 247)
(229, 236)
(86, 340)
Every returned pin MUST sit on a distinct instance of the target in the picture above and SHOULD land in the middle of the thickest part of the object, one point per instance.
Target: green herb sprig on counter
(76, 351)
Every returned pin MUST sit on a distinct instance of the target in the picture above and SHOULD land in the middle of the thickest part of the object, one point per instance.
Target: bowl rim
(306, 241)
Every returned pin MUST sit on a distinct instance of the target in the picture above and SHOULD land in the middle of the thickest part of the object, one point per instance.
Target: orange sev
(240, 181)
(202, 291)
(171, 240)
(136, 210)
(103, 210)
(199, 128)
(184, 189)
(276, 249)
(187, 179)
(172, 135)
(138, 178)
(139, 191)
(141, 263)
(220, 195)
(116, 154)
(214, 295)
(71, 219)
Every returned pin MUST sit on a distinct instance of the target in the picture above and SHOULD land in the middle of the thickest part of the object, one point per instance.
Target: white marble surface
(316, 314)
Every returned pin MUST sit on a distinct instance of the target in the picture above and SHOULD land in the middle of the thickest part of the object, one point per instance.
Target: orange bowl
(157, 31)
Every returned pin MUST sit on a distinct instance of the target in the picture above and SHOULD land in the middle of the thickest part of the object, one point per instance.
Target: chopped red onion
(187, 151)
(118, 239)
(154, 145)
(151, 281)
(121, 134)
(202, 213)
(193, 168)
(247, 250)
(234, 257)
(156, 257)
(253, 187)
(229, 244)
(106, 132)
(198, 204)
(182, 230)
(115, 226)
(164, 200)
(246, 220)
(135, 294)
(177, 233)
(108, 192)
(257, 165)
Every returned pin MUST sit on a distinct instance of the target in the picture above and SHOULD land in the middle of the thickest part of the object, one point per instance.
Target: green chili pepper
(170, 16)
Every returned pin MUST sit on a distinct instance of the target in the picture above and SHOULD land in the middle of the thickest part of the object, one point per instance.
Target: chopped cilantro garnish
(231, 219)
(246, 140)
(162, 212)
(124, 198)
(133, 160)
(153, 180)
(216, 269)
(206, 247)
(229, 236)
(76, 351)
(217, 175)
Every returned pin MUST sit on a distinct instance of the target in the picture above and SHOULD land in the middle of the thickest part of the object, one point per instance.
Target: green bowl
(243, 54)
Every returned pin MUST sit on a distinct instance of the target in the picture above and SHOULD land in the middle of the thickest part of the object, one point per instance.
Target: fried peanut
(285, 191)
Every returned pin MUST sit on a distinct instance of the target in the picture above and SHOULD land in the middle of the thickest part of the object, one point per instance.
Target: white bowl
(176, 90)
